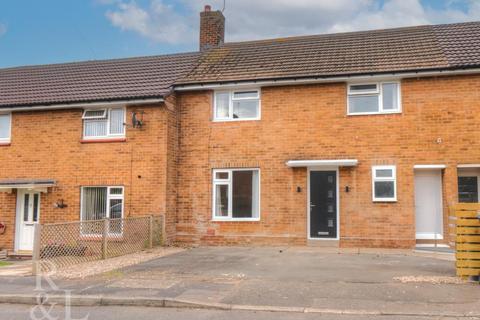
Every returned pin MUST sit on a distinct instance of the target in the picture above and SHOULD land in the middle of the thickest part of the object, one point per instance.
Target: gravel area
(87, 269)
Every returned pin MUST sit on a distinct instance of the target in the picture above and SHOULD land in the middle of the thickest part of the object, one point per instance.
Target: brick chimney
(212, 28)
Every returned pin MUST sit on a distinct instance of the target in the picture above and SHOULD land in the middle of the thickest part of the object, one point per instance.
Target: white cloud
(255, 19)
(159, 22)
(3, 29)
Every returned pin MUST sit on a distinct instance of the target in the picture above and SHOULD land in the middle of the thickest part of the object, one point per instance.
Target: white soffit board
(429, 166)
(320, 163)
(473, 165)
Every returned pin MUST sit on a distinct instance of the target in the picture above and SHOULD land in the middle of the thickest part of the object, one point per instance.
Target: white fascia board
(353, 78)
(322, 163)
(82, 105)
(429, 166)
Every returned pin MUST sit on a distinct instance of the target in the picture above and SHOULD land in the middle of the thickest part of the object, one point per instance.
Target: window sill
(236, 220)
(235, 120)
(5, 144)
(374, 113)
(106, 140)
(384, 200)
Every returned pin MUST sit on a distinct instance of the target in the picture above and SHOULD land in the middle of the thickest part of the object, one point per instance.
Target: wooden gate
(467, 239)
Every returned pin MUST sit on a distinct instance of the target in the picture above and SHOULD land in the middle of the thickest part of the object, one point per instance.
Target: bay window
(236, 194)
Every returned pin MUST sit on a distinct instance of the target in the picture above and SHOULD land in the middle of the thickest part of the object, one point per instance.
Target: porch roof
(322, 163)
(27, 183)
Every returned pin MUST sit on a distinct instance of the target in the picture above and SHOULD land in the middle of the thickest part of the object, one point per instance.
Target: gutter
(326, 79)
(81, 105)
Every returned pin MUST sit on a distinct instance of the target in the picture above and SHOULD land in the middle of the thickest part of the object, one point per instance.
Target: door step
(21, 255)
(323, 243)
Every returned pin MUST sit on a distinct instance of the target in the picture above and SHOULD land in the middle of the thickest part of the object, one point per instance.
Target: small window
(5, 127)
(237, 105)
(236, 194)
(100, 203)
(384, 183)
(468, 189)
(104, 123)
(374, 98)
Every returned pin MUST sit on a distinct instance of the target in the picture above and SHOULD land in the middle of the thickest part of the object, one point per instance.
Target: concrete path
(283, 279)
(16, 268)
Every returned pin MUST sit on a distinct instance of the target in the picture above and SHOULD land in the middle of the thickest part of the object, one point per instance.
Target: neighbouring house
(348, 139)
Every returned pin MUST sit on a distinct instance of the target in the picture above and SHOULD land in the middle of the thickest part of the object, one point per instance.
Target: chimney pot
(212, 28)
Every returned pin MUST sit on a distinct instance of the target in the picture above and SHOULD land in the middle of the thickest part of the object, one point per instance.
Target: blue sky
(51, 31)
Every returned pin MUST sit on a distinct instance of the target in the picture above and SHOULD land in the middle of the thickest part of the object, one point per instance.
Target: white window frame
(107, 118)
(385, 179)
(231, 99)
(379, 93)
(108, 198)
(9, 138)
(229, 183)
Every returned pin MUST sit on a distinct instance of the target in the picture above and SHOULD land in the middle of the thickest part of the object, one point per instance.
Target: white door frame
(19, 214)
(441, 227)
(310, 169)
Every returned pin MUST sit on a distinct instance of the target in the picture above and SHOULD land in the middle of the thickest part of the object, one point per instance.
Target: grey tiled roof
(378, 51)
(106, 80)
(452, 46)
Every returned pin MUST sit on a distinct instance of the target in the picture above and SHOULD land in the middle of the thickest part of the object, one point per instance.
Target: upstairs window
(236, 194)
(237, 105)
(5, 127)
(104, 123)
(374, 98)
(384, 183)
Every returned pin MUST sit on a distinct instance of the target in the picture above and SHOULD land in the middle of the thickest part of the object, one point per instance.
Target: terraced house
(349, 139)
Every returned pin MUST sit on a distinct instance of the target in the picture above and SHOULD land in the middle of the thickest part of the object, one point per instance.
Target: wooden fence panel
(467, 239)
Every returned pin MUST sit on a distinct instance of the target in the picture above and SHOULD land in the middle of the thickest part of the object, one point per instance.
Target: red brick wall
(47, 144)
(310, 122)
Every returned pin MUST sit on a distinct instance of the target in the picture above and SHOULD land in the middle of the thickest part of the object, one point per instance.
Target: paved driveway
(297, 277)
(286, 277)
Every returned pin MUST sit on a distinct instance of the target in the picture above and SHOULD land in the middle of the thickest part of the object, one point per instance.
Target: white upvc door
(28, 214)
(428, 204)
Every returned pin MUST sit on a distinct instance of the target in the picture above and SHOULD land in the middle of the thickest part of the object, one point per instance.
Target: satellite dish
(136, 122)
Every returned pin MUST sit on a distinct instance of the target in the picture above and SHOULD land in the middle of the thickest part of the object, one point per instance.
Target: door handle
(312, 205)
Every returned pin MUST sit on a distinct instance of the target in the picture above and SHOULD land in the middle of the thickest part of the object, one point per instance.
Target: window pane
(94, 114)
(363, 104)
(35, 207)
(384, 173)
(245, 194)
(222, 105)
(116, 121)
(95, 128)
(245, 94)
(467, 189)
(363, 88)
(94, 204)
(116, 191)
(245, 109)
(390, 96)
(116, 213)
(221, 175)
(4, 126)
(384, 189)
(25, 207)
(221, 200)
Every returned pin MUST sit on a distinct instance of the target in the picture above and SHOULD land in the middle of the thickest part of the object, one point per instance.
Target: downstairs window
(100, 203)
(236, 194)
(384, 183)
